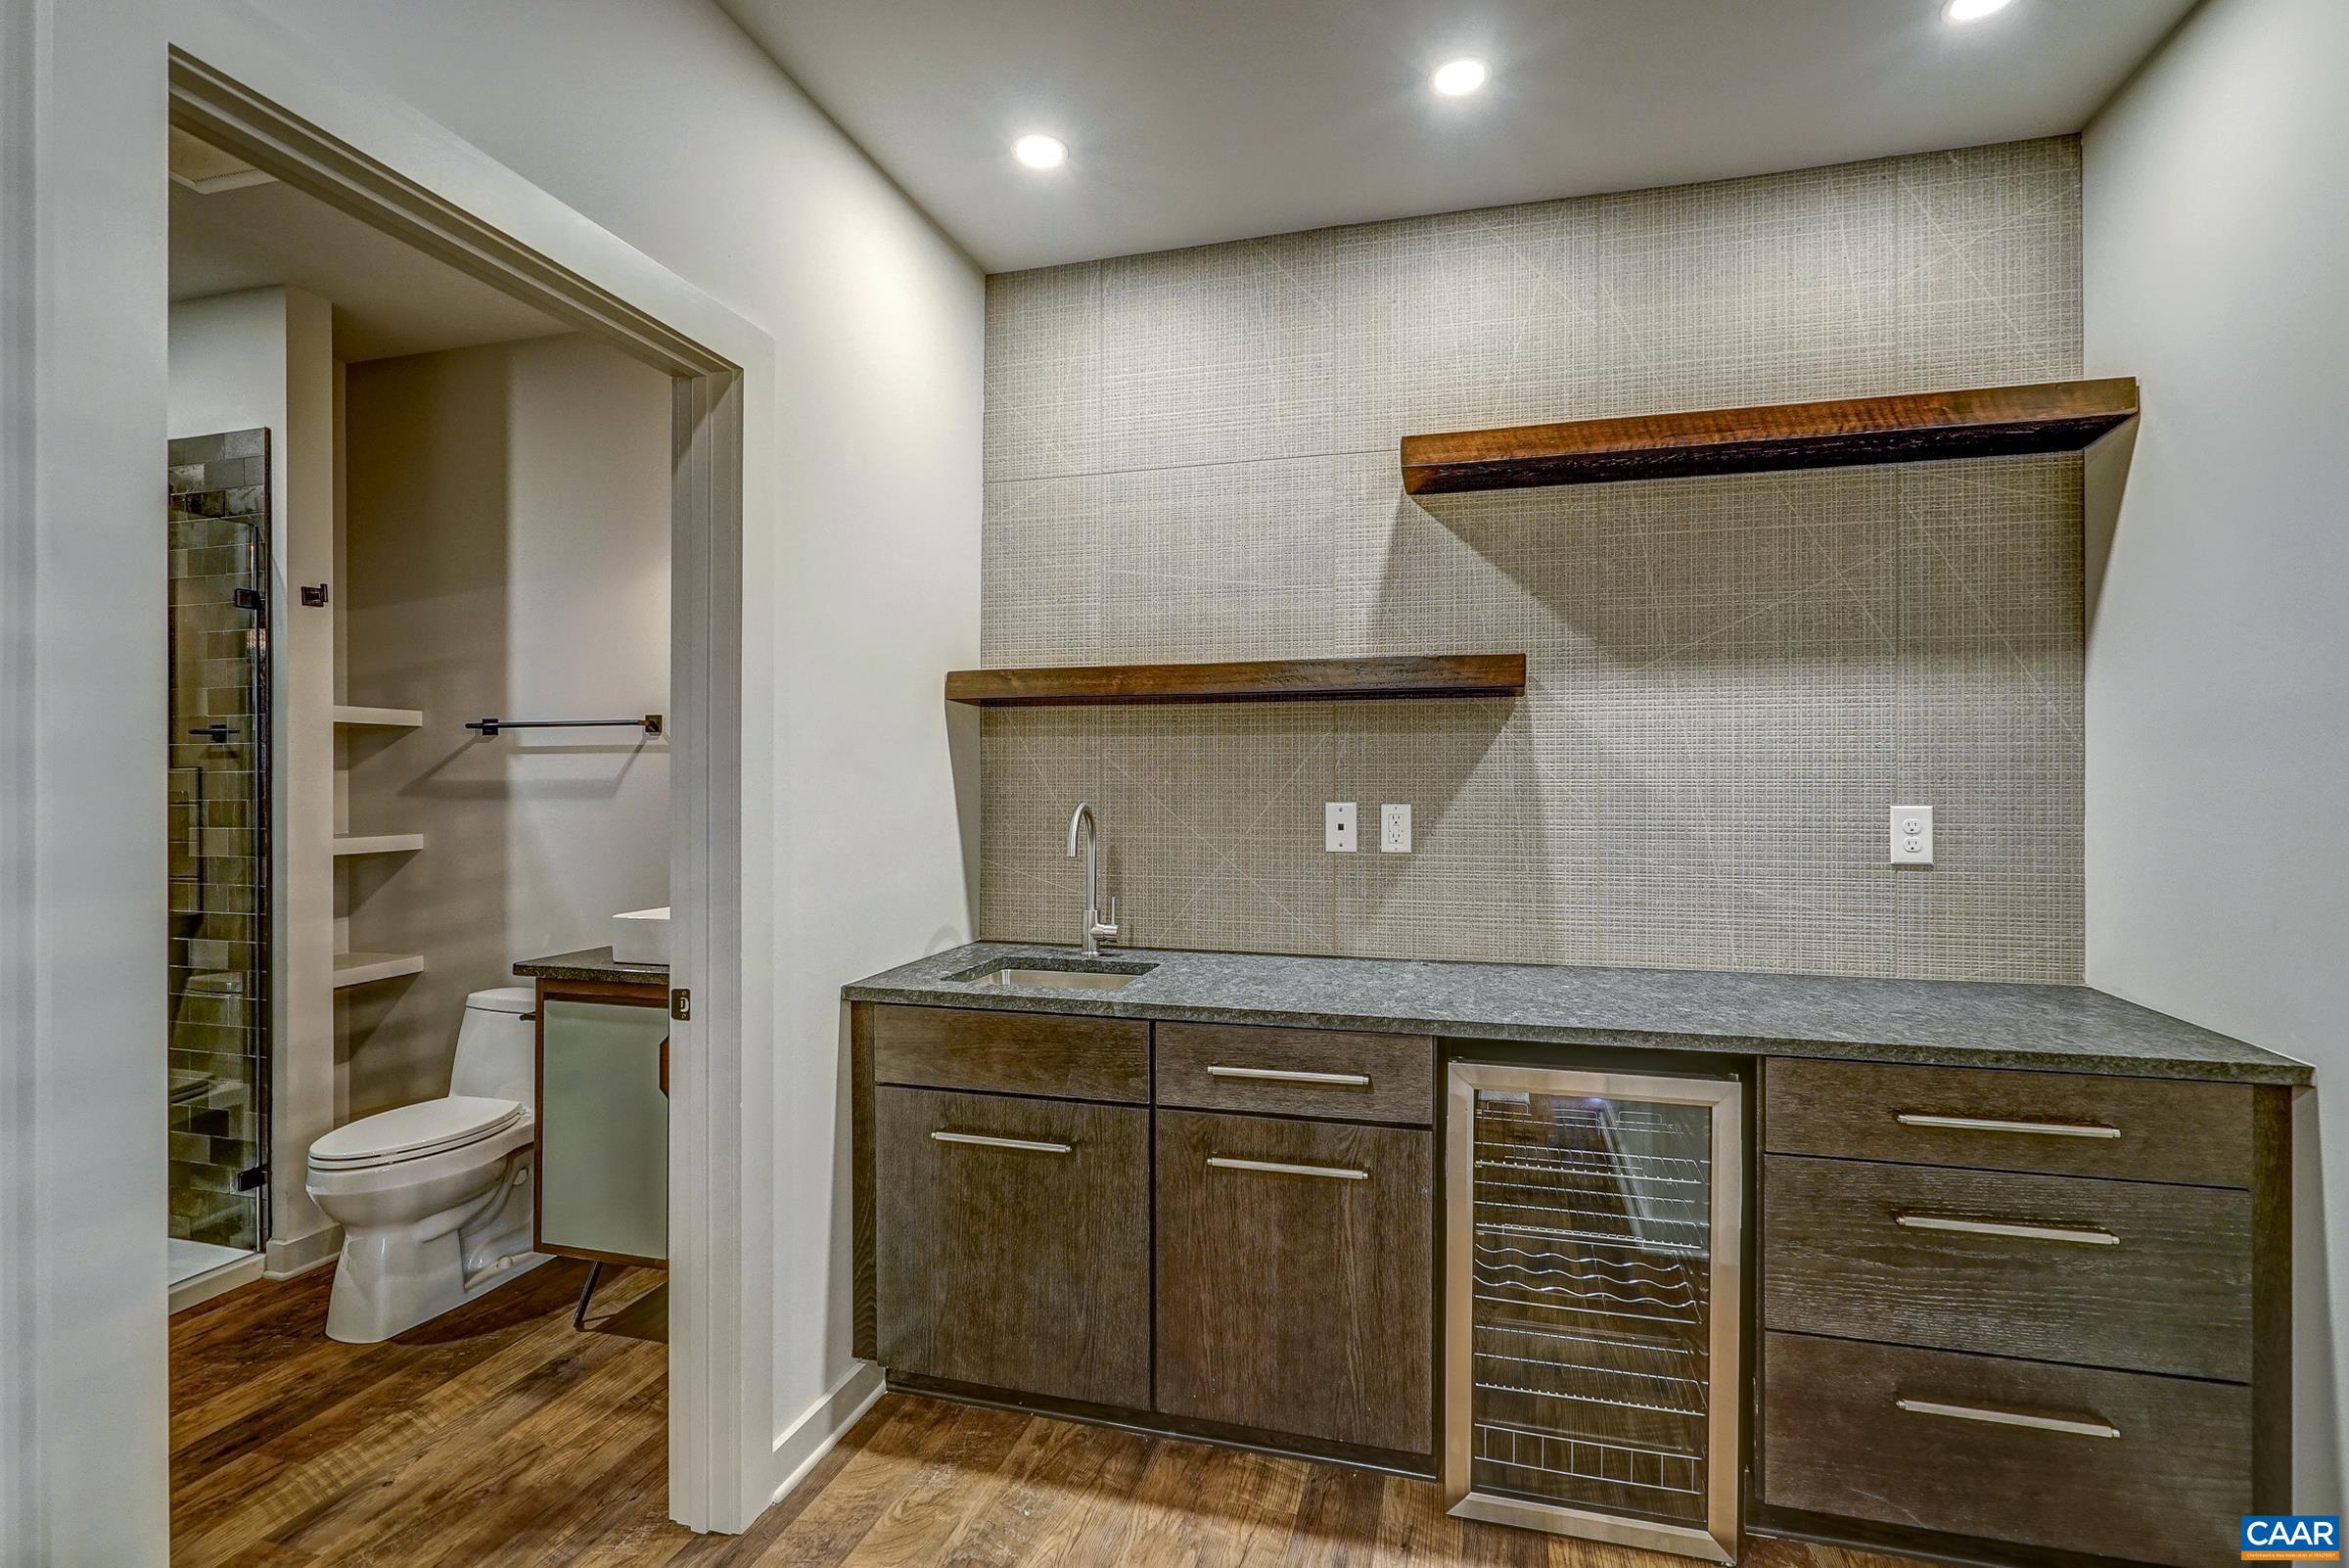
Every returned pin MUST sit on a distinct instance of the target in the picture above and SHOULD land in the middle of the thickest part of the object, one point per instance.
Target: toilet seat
(413, 1132)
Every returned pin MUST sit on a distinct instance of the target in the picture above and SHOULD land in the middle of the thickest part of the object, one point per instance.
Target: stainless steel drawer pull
(2086, 1236)
(1023, 1146)
(1289, 1074)
(1336, 1172)
(1990, 1123)
(2091, 1426)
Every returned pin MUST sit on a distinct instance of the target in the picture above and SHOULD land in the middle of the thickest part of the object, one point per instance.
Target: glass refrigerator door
(1592, 1319)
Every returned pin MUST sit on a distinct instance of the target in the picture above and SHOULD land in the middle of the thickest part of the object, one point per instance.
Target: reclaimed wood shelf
(2061, 416)
(1267, 681)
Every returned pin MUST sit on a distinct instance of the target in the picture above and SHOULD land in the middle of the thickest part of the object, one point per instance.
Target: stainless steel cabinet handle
(1336, 1172)
(1990, 1123)
(2090, 1426)
(2084, 1235)
(1288, 1074)
(1023, 1146)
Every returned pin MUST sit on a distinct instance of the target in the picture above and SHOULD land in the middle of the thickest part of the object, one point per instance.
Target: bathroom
(419, 662)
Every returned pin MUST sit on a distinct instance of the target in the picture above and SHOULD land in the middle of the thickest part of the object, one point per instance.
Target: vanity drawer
(2152, 1470)
(1052, 1054)
(2121, 1275)
(2063, 1123)
(1297, 1072)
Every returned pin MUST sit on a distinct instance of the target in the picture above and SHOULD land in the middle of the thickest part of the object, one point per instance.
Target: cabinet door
(603, 1132)
(1296, 1277)
(1013, 1246)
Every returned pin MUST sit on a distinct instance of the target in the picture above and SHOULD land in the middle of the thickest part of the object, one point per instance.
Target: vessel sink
(1075, 976)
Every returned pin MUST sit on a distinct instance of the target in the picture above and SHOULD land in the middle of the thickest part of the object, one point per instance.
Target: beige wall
(506, 554)
(2218, 673)
(1193, 455)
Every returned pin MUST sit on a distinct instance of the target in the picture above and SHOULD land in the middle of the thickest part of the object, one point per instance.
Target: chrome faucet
(1096, 928)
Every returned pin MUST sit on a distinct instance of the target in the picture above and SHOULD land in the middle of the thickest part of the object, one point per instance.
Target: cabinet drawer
(2153, 1469)
(1297, 1072)
(1013, 1053)
(2063, 1123)
(1296, 1277)
(2064, 1269)
(1014, 1243)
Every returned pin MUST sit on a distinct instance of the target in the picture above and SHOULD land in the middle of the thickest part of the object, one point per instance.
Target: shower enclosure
(219, 996)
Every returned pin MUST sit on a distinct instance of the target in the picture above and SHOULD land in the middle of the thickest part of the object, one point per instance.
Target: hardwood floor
(499, 1437)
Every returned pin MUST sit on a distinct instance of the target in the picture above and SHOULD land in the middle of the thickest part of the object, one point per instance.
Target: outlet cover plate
(1395, 829)
(1912, 835)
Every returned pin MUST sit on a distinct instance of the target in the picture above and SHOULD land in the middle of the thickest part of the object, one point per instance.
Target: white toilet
(434, 1198)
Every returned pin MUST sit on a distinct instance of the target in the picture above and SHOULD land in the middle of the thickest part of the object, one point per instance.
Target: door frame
(412, 178)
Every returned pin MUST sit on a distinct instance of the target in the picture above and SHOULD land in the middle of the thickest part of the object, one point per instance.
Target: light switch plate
(1337, 827)
(1912, 835)
(1395, 829)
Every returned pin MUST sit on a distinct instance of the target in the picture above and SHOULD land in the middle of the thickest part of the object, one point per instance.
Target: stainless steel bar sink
(1074, 977)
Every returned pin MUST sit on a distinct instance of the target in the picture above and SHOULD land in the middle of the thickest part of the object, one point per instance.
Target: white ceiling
(1195, 120)
(390, 298)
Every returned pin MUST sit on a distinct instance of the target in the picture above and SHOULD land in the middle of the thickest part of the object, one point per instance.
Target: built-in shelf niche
(1422, 675)
(366, 968)
(348, 716)
(348, 844)
(1919, 427)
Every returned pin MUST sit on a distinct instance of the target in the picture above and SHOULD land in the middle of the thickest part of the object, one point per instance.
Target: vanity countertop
(1946, 1023)
(593, 963)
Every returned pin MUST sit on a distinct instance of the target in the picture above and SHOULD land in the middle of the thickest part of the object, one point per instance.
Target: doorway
(716, 363)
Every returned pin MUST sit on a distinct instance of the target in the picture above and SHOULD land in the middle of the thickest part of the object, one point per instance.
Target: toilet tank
(498, 1047)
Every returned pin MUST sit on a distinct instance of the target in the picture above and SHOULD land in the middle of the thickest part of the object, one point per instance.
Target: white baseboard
(283, 1260)
(809, 1439)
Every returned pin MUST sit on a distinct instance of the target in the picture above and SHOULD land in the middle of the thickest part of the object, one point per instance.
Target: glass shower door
(218, 792)
(1592, 1311)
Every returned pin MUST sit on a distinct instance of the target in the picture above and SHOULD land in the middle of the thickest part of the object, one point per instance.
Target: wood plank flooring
(499, 1437)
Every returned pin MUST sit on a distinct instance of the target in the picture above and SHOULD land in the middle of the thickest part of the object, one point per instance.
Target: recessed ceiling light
(1041, 152)
(1456, 76)
(1972, 10)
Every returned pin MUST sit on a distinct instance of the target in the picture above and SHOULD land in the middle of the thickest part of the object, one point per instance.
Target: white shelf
(378, 844)
(353, 718)
(365, 968)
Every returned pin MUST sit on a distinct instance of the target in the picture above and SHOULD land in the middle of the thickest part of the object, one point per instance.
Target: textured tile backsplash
(1191, 455)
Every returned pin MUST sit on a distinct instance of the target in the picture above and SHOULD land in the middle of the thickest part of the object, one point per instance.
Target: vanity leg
(578, 1320)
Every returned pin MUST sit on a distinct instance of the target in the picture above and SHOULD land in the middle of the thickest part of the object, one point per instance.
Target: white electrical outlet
(1912, 835)
(1395, 829)
(1337, 827)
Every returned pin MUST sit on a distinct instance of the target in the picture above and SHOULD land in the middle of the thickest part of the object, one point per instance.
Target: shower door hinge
(252, 1178)
(247, 598)
(681, 1005)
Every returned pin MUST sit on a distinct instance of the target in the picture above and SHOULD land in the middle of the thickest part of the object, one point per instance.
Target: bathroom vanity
(1990, 1272)
(601, 1167)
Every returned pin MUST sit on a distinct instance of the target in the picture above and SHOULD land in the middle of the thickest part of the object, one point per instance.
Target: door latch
(680, 1004)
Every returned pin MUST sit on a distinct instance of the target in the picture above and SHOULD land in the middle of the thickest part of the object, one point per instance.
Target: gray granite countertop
(593, 963)
(1943, 1021)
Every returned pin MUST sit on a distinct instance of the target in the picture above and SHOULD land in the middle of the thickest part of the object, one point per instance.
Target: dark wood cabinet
(2152, 1469)
(1014, 1243)
(1296, 1278)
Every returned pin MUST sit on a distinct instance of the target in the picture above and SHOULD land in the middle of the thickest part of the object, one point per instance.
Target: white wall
(506, 554)
(264, 357)
(658, 121)
(2217, 669)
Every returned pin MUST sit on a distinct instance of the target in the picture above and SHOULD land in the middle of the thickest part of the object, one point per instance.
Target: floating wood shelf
(378, 843)
(351, 717)
(1269, 680)
(366, 968)
(2061, 416)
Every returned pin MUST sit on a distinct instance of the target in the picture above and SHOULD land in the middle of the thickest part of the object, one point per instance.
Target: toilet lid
(413, 1130)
